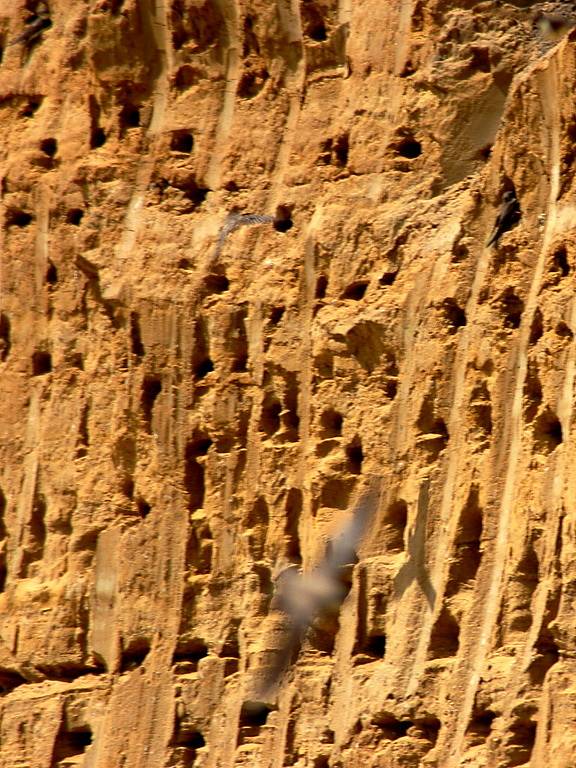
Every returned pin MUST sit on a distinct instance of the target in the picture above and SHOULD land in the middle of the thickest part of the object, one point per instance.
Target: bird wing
(505, 217)
(235, 220)
(254, 218)
(301, 597)
(342, 547)
(33, 29)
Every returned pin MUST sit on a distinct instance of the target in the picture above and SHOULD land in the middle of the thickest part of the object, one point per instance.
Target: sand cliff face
(179, 420)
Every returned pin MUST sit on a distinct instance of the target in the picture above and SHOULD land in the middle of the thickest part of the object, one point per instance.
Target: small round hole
(182, 141)
(49, 147)
(74, 216)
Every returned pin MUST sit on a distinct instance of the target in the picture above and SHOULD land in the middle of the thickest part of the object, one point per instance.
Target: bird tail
(493, 238)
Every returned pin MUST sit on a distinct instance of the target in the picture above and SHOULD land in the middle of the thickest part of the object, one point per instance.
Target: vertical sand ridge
(156, 25)
(230, 13)
(551, 83)
(447, 519)
(513, 424)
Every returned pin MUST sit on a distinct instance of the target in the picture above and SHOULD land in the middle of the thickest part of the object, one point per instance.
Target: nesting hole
(51, 274)
(136, 344)
(129, 117)
(135, 653)
(186, 76)
(15, 217)
(376, 646)
(321, 287)
(481, 410)
(41, 363)
(289, 417)
(256, 527)
(480, 59)
(5, 336)
(356, 291)
(34, 546)
(97, 138)
(324, 365)
(480, 726)
(560, 261)
(195, 193)
(190, 652)
(537, 327)
(190, 742)
(547, 431)
(252, 717)
(200, 543)
(434, 435)
(521, 743)
(313, 23)
(194, 470)
(340, 149)
(31, 106)
(283, 219)
(83, 432)
(202, 364)
(512, 308)
(252, 82)
(74, 216)
(409, 148)
(203, 368)
(546, 650)
(387, 278)
(395, 521)
(467, 550)
(294, 502)
(454, 315)
(445, 638)
(485, 152)
(182, 141)
(216, 283)
(49, 147)
(143, 507)
(151, 388)
(354, 456)
(70, 744)
(563, 330)
(270, 415)
(239, 340)
(391, 728)
(276, 314)
(3, 534)
(331, 424)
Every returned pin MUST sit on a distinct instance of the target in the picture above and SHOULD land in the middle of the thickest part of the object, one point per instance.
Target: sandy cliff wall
(177, 423)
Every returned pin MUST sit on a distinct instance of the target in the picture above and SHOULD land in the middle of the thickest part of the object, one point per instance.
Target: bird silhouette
(236, 220)
(508, 215)
(35, 25)
(302, 597)
(553, 26)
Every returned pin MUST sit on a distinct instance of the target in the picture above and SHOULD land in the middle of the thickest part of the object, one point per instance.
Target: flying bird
(508, 215)
(553, 26)
(236, 220)
(35, 25)
(302, 597)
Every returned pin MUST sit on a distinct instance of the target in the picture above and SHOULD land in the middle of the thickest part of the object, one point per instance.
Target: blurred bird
(301, 597)
(35, 25)
(553, 26)
(235, 220)
(508, 215)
